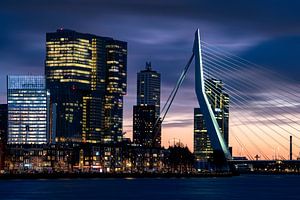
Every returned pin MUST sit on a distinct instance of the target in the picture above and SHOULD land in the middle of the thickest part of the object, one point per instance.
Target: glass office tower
(86, 76)
(28, 107)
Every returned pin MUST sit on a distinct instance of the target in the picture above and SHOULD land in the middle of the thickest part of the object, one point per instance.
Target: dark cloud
(280, 55)
(254, 12)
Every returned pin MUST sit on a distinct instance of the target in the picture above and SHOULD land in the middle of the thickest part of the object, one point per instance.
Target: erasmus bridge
(263, 107)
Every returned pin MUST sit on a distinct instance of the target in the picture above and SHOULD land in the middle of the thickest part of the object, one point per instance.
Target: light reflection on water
(242, 188)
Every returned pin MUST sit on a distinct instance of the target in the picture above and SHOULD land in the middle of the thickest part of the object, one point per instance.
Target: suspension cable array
(269, 116)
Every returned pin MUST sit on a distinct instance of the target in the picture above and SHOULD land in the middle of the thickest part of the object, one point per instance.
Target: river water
(242, 187)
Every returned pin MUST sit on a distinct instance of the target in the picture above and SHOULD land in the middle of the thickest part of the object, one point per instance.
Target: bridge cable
(171, 98)
(208, 88)
(246, 83)
(215, 92)
(241, 60)
(240, 96)
(245, 116)
(253, 143)
(241, 145)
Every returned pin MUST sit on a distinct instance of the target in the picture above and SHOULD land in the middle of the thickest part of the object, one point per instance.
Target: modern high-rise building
(146, 122)
(148, 88)
(219, 102)
(28, 109)
(86, 75)
(3, 134)
(202, 145)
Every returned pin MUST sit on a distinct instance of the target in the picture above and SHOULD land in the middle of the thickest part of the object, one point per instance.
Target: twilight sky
(264, 32)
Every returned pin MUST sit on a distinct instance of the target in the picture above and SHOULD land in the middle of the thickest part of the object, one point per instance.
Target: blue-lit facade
(28, 106)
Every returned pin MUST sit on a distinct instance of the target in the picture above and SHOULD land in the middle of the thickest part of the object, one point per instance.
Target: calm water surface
(243, 187)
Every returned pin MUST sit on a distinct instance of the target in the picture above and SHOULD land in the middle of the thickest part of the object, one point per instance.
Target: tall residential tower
(148, 88)
(146, 122)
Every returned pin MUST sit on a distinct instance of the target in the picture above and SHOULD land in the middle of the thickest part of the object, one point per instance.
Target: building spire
(148, 66)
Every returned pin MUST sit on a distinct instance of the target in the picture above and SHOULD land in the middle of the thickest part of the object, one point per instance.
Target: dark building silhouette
(219, 102)
(146, 122)
(86, 75)
(3, 134)
(291, 147)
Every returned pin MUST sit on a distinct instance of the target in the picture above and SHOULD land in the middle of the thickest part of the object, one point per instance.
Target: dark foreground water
(242, 187)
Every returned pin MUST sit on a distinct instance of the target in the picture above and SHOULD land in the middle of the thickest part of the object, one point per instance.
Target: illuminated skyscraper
(86, 75)
(147, 110)
(219, 102)
(148, 88)
(115, 89)
(202, 145)
(28, 107)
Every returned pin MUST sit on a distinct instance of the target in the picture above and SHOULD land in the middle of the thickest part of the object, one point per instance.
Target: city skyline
(258, 46)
